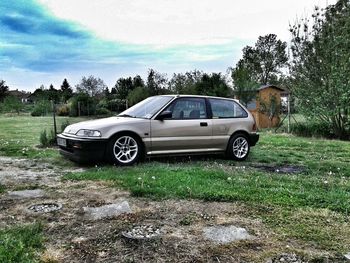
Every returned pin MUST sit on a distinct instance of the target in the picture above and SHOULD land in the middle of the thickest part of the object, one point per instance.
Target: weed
(2, 188)
(20, 244)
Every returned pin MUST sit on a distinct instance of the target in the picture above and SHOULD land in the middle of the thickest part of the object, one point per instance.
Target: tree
(123, 87)
(11, 103)
(185, 83)
(41, 93)
(113, 91)
(137, 81)
(53, 94)
(156, 83)
(91, 85)
(138, 94)
(213, 85)
(320, 67)
(3, 90)
(244, 83)
(266, 59)
(66, 91)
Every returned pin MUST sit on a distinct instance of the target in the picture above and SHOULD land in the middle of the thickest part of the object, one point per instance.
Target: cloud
(34, 39)
(183, 22)
(47, 40)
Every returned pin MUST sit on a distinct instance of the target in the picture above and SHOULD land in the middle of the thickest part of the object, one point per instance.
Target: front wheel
(238, 147)
(125, 150)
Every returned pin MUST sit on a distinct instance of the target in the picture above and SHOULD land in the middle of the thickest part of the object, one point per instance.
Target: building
(23, 96)
(267, 104)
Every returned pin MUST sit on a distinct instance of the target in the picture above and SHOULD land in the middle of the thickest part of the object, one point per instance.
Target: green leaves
(320, 66)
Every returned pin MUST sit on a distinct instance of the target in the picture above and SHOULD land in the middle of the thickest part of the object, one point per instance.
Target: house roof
(271, 86)
(19, 94)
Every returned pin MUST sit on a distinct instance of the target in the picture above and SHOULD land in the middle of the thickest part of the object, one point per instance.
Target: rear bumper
(83, 150)
(253, 138)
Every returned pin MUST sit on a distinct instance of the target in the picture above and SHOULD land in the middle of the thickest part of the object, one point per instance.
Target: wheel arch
(126, 132)
(245, 133)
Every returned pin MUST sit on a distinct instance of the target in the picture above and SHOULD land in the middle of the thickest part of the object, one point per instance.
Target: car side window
(188, 108)
(226, 109)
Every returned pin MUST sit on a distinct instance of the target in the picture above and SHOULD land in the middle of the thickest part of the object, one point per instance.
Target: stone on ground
(27, 194)
(226, 234)
(96, 213)
(347, 256)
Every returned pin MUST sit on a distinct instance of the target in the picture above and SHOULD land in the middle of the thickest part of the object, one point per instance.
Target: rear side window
(226, 109)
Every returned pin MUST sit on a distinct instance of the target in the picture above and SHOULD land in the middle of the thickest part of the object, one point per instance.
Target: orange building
(264, 96)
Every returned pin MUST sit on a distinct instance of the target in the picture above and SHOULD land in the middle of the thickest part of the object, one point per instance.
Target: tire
(124, 150)
(238, 147)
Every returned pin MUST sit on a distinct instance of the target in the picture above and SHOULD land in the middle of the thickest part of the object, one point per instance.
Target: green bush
(42, 108)
(312, 129)
(2, 188)
(102, 111)
(47, 139)
(63, 110)
(116, 105)
(43, 138)
(86, 103)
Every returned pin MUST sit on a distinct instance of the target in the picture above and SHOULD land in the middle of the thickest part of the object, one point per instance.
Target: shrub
(312, 129)
(102, 111)
(47, 139)
(82, 101)
(41, 108)
(36, 113)
(43, 138)
(63, 110)
(116, 105)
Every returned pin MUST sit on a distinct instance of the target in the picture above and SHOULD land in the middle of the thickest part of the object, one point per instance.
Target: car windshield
(146, 108)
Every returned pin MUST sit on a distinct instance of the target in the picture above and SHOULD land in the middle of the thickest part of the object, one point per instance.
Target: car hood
(100, 124)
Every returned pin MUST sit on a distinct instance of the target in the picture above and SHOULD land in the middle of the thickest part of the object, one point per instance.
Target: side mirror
(165, 115)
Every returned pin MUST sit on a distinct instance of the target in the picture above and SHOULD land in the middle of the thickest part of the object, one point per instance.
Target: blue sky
(45, 41)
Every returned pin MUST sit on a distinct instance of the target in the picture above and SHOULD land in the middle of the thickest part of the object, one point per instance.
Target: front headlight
(88, 133)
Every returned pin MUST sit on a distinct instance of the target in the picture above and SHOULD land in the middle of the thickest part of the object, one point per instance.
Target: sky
(44, 41)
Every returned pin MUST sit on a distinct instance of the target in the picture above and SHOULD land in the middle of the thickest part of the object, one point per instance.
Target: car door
(188, 130)
(228, 117)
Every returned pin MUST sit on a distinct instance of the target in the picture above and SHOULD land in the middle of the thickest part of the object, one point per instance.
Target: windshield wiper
(126, 115)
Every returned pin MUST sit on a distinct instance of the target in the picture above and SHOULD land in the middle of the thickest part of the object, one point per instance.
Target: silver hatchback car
(166, 124)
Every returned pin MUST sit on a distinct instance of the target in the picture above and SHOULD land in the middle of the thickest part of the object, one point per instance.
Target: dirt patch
(71, 237)
(283, 169)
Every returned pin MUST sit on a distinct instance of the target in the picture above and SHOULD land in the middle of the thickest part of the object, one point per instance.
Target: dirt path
(71, 237)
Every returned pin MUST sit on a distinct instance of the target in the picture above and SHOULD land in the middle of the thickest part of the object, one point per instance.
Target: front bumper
(82, 150)
(253, 138)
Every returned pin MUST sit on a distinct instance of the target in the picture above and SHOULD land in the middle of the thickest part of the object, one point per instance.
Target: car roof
(196, 96)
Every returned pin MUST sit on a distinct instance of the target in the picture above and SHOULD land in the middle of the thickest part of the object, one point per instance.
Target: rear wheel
(238, 147)
(125, 149)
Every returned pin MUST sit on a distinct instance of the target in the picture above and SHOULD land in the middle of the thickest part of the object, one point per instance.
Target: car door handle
(203, 124)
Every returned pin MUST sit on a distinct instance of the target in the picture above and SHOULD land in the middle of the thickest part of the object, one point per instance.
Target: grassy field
(19, 135)
(312, 206)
